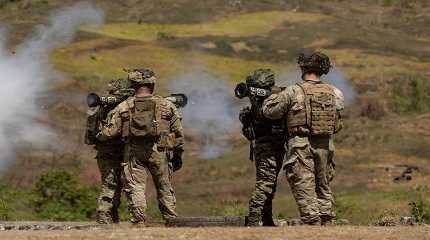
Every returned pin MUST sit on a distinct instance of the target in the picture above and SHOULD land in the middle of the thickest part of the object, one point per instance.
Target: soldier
(151, 128)
(109, 157)
(267, 139)
(312, 110)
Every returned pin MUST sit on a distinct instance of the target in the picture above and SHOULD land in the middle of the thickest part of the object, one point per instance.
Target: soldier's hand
(245, 116)
(176, 163)
(248, 133)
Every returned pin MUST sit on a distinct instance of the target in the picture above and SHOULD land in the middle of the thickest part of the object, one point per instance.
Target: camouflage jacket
(292, 98)
(114, 127)
(259, 127)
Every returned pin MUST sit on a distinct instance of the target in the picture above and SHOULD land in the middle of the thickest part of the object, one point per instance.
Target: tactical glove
(245, 116)
(176, 163)
(248, 132)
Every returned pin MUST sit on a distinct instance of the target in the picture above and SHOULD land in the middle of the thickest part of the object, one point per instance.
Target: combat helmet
(261, 78)
(141, 76)
(116, 85)
(316, 62)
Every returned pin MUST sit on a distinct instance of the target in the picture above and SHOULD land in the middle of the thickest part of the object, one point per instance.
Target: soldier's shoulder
(163, 101)
(337, 92)
(126, 104)
(292, 90)
(340, 100)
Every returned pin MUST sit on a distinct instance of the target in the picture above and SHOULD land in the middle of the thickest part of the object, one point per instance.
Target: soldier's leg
(134, 177)
(117, 195)
(324, 193)
(267, 169)
(267, 217)
(300, 170)
(110, 182)
(159, 168)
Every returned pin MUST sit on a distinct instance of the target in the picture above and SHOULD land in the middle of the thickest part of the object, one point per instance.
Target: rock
(294, 222)
(342, 222)
(406, 220)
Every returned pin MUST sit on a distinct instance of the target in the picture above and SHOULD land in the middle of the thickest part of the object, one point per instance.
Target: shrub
(420, 208)
(14, 203)
(58, 196)
(411, 95)
(5, 211)
(420, 211)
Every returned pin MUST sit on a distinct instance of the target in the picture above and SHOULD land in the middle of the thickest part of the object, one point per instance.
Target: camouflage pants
(141, 161)
(109, 198)
(310, 169)
(268, 159)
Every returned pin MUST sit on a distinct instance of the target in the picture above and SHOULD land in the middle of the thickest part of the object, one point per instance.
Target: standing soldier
(267, 139)
(109, 157)
(151, 128)
(312, 110)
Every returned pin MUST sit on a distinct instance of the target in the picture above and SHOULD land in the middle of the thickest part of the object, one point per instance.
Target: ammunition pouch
(317, 116)
(166, 140)
(148, 120)
(126, 122)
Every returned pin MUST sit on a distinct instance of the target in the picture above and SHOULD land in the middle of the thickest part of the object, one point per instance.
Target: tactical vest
(148, 120)
(318, 117)
(264, 127)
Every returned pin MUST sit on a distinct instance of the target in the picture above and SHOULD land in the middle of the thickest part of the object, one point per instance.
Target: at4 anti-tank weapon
(93, 100)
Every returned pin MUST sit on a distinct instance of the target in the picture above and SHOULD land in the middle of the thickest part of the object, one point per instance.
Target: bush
(411, 95)
(420, 208)
(420, 211)
(59, 197)
(5, 211)
(14, 204)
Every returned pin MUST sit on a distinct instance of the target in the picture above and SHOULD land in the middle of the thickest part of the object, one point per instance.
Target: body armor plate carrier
(149, 119)
(319, 115)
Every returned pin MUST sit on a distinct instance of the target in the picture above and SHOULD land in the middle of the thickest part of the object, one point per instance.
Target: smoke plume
(211, 114)
(335, 77)
(27, 73)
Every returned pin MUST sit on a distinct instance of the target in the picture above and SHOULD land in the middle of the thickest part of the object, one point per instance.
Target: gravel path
(216, 233)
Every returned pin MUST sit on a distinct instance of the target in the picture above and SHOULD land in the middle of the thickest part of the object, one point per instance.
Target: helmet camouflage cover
(261, 78)
(314, 61)
(141, 76)
(116, 85)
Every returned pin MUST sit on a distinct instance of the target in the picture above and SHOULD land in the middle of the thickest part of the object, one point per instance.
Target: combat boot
(327, 220)
(137, 216)
(115, 215)
(253, 220)
(268, 220)
(103, 218)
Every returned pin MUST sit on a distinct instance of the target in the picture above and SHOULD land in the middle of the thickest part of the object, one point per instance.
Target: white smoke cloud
(336, 77)
(211, 115)
(27, 73)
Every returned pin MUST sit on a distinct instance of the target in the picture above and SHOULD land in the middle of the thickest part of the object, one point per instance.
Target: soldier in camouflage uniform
(267, 139)
(151, 128)
(109, 157)
(312, 110)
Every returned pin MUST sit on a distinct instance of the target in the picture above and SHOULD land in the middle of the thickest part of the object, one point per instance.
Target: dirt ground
(320, 233)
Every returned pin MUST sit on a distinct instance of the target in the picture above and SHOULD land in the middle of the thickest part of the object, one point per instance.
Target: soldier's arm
(340, 106)
(245, 118)
(113, 126)
(276, 106)
(177, 129)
